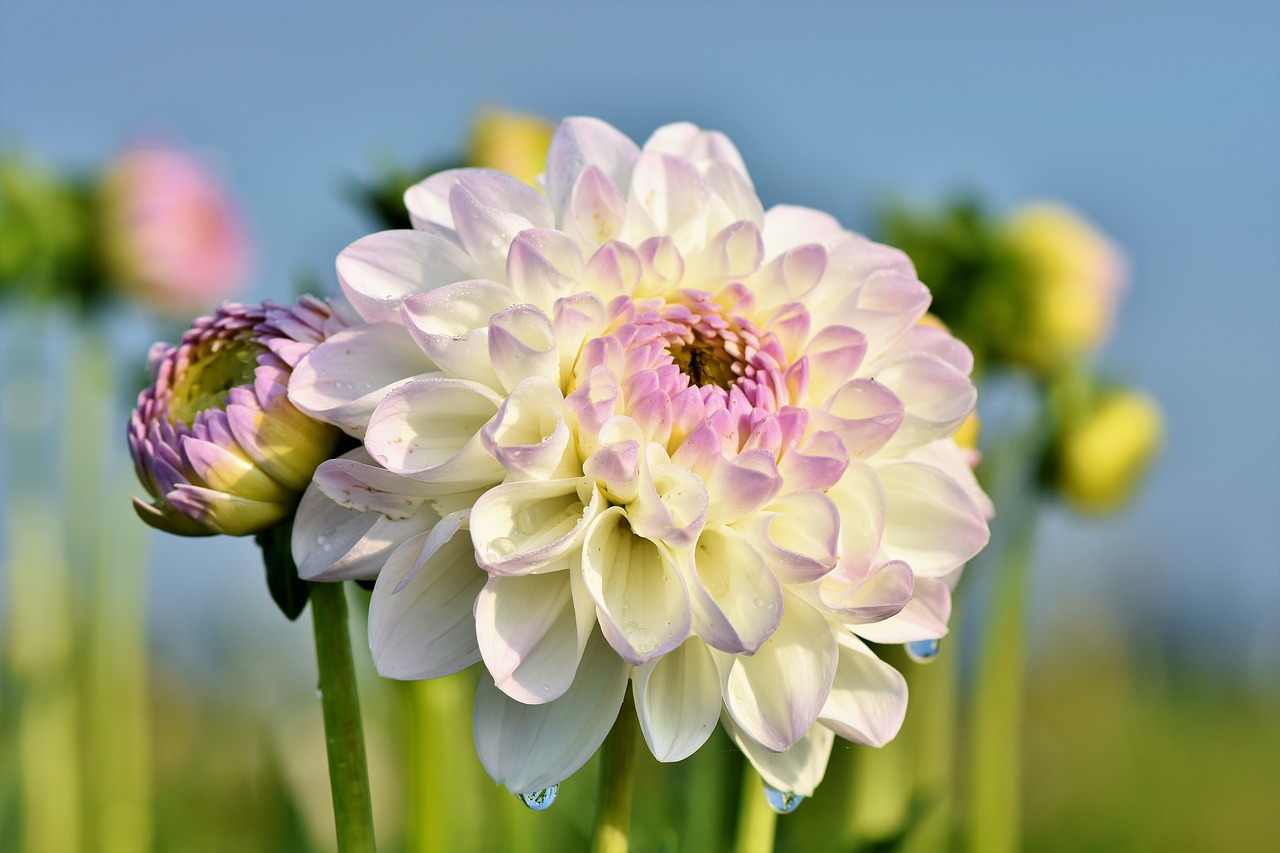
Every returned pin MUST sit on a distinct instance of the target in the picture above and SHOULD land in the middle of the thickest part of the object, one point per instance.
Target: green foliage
(288, 591)
(975, 278)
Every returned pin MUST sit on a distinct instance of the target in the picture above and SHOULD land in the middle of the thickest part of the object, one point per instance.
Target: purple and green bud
(215, 440)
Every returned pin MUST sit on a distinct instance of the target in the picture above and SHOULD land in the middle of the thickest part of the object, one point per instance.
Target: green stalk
(42, 625)
(756, 821)
(617, 777)
(995, 745)
(348, 772)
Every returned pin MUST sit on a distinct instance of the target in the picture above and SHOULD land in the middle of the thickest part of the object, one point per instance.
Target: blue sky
(1161, 121)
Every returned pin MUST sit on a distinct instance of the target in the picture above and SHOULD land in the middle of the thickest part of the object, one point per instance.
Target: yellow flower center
(213, 371)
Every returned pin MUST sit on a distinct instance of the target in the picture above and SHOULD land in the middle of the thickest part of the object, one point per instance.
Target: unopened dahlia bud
(510, 142)
(1105, 454)
(215, 440)
(171, 235)
(1074, 275)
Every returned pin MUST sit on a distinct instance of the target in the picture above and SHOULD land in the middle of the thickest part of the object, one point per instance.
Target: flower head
(1104, 453)
(649, 432)
(215, 440)
(1074, 276)
(510, 142)
(171, 235)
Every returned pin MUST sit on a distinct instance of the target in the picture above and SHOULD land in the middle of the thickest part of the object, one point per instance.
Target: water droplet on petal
(757, 602)
(540, 800)
(782, 802)
(923, 651)
(320, 694)
(502, 547)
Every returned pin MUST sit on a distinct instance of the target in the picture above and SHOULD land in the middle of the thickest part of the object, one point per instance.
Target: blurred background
(1152, 694)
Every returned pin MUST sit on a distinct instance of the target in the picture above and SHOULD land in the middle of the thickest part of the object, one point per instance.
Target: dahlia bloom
(647, 432)
(215, 440)
(171, 234)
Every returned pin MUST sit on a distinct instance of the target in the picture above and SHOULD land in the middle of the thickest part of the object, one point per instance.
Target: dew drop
(320, 694)
(923, 651)
(502, 547)
(757, 602)
(782, 802)
(540, 800)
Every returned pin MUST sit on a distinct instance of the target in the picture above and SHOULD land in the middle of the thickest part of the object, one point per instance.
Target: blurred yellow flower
(510, 142)
(1104, 455)
(1075, 278)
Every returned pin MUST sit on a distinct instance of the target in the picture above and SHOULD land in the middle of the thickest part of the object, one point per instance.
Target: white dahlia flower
(637, 428)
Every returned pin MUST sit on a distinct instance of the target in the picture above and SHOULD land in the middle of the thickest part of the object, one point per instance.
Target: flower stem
(995, 769)
(756, 821)
(348, 774)
(617, 775)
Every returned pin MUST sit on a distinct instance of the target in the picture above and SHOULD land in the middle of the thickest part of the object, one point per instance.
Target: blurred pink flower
(171, 234)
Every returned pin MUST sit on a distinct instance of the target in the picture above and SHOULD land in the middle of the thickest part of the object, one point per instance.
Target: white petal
(532, 632)
(531, 747)
(798, 770)
(677, 700)
(775, 695)
(428, 201)
(522, 344)
(868, 699)
(489, 210)
(786, 227)
(521, 527)
(544, 265)
(797, 535)
(668, 197)
(332, 543)
(582, 142)
(529, 435)
(924, 618)
(596, 208)
(698, 146)
(935, 395)
(863, 413)
(342, 380)
(427, 629)
(834, 355)
(930, 521)
(737, 600)
(378, 271)
(452, 326)
(860, 498)
(881, 593)
(640, 597)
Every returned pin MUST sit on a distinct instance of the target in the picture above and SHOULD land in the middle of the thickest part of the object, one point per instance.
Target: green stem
(756, 821)
(995, 764)
(348, 774)
(617, 777)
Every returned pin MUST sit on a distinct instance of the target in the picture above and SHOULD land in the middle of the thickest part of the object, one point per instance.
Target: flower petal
(427, 629)
(342, 380)
(640, 597)
(797, 535)
(935, 395)
(521, 527)
(677, 700)
(531, 747)
(429, 428)
(930, 521)
(775, 695)
(797, 770)
(923, 618)
(737, 600)
(452, 326)
(532, 631)
(378, 271)
(581, 142)
(489, 210)
(868, 698)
